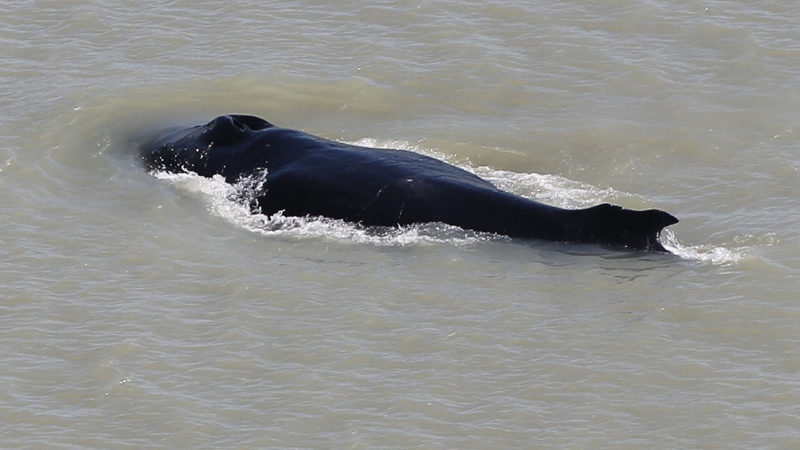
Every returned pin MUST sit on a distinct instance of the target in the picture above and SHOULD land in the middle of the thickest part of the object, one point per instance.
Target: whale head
(187, 149)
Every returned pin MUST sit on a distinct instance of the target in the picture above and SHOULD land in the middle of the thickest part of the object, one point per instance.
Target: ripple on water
(231, 202)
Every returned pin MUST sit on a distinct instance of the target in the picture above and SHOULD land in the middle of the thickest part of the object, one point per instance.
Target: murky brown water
(142, 311)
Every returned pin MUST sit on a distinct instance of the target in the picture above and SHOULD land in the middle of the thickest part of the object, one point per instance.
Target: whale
(308, 175)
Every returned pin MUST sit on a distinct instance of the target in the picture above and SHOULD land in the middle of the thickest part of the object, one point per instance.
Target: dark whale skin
(309, 175)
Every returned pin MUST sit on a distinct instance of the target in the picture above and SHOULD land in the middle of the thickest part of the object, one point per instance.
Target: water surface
(151, 311)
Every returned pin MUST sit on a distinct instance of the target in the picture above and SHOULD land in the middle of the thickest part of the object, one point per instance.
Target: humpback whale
(313, 176)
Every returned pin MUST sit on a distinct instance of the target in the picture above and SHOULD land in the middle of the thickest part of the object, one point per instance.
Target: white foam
(551, 189)
(232, 202)
(702, 253)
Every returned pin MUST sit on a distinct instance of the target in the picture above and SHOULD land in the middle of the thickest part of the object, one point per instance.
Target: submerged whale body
(312, 176)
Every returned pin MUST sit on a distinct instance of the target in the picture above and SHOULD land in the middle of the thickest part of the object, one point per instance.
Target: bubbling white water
(232, 202)
(702, 252)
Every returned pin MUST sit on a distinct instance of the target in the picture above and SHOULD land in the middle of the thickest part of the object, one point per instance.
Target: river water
(149, 310)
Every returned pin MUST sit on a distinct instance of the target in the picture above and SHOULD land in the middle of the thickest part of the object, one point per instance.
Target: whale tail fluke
(616, 225)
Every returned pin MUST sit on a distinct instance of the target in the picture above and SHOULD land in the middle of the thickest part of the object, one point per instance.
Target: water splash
(551, 189)
(234, 203)
(702, 253)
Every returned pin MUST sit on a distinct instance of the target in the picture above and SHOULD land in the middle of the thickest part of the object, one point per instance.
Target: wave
(702, 253)
(233, 202)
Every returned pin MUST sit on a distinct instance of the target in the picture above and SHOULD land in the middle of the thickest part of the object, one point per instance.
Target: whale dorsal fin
(616, 225)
